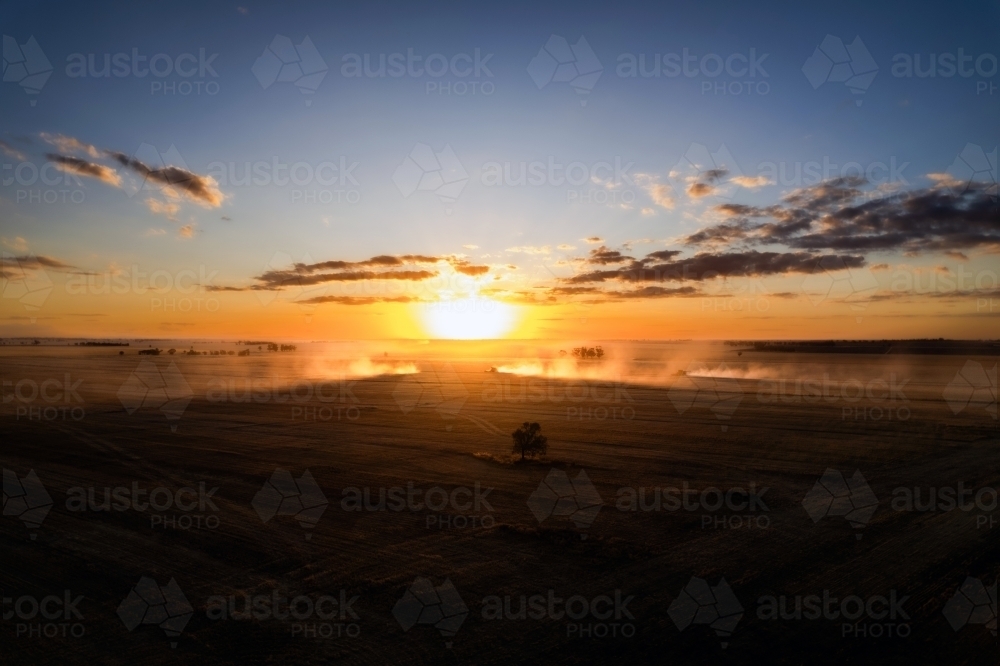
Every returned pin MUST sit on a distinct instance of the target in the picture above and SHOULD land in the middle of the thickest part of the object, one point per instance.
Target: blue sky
(650, 123)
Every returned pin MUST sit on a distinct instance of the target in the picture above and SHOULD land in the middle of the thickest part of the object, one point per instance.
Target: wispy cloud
(203, 190)
(530, 249)
(68, 144)
(165, 208)
(81, 167)
(11, 151)
(751, 182)
(17, 244)
(401, 268)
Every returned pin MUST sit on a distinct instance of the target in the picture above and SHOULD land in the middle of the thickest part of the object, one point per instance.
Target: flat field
(686, 492)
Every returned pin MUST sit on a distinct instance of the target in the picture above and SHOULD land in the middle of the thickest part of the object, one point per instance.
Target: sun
(468, 319)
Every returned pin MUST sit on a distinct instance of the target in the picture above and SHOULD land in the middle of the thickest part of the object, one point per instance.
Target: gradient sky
(930, 220)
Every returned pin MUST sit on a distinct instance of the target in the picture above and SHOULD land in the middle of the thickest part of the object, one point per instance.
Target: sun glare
(468, 319)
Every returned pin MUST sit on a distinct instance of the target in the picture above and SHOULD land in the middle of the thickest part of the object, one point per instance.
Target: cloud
(68, 144)
(605, 256)
(12, 265)
(187, 231)
(202, 190)
(647, 211)
(944, 180)
(714, 175)
(162, 207)
(471, 247)
(80, 167)
(404, 268)
(470, 269)
(11, 151)
(357, 300)
(17, 244)
(156, 232)
(565, 247)
(530, 249)
(662, 195)
(698, 190)
(751, 182)
(840, 215)
(593, 240)
(663, 266)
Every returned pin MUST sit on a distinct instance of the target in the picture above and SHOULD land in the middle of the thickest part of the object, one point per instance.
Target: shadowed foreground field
(761, 443)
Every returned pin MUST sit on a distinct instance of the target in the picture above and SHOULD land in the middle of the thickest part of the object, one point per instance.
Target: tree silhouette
(528, 440)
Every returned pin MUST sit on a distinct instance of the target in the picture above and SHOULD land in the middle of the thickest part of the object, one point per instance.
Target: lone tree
(528, 440)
